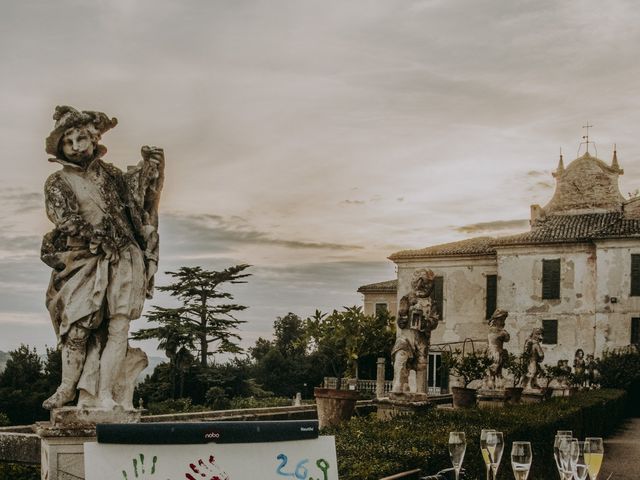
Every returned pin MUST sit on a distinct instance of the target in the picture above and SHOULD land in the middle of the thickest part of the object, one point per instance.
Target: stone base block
(492, 398)
(73, 416)
(63, 457)
(410, 397)
(532, 397)
(389, 407)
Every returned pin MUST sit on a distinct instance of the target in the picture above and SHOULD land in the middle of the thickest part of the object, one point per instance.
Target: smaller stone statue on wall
(533, 351)
(498, 354)
(416, 319)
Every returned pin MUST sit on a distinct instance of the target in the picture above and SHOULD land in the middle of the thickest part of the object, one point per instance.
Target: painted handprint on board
(205, 470)
(139, 470)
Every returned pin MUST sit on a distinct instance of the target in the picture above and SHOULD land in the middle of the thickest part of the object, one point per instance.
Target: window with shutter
(381, 309)
(635, 331)
(551, 279)
(492, 295)
(436, 296)
(635, 275)
(550, 332)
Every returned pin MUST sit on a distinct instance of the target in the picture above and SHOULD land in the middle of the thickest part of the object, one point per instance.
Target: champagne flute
(556, 451)
(457, 447)
(580, 466)
(495, 446)
(485, 452)
(564, 458)
(593, 453)
(521, 458)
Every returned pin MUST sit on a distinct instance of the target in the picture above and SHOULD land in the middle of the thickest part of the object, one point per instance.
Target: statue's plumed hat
(67, 117)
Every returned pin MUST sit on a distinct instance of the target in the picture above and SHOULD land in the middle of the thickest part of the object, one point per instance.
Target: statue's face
(77, 145)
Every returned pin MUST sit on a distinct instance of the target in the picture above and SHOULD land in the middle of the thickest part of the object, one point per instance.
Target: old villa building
(575, 273)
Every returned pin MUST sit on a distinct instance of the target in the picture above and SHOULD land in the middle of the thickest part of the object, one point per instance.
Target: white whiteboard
(295, 460)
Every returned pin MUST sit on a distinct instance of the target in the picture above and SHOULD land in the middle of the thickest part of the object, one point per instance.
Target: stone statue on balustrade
(104, 253)
(497, 337)
(535, 354)
(417, 317)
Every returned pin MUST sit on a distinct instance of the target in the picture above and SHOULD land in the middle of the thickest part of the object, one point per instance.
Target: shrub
(369, 449)
(179, 405)
(468, 367)
(620, 368)
(12, 471)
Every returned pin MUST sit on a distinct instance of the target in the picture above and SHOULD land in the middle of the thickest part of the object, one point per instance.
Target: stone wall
(614, 305)
(520, 293)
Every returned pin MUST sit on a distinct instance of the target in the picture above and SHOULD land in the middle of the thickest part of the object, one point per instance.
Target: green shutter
(635, 275)
(436, 296)
(492, 294)
(635, 331)
(551, 279)
(550, 332)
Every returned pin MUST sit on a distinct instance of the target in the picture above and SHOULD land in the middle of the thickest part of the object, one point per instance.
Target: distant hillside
(153, 363)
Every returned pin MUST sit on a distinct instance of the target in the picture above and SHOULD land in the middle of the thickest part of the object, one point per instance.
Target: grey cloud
(207, 233)
(18, 200)
(20, 243)
(492, 226)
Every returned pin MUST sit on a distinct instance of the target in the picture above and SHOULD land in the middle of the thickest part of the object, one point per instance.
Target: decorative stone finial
(614, 163)
(560, 170)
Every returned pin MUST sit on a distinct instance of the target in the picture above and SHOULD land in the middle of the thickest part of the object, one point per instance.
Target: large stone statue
(498, 354)
(534, 353)
(416, 319)
(104, 254)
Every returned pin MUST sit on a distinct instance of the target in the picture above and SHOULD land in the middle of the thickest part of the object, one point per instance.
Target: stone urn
(513, 394)
(464, 397)
(334, 406)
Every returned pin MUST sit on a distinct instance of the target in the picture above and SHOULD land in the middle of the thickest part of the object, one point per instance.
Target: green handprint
(140, 471)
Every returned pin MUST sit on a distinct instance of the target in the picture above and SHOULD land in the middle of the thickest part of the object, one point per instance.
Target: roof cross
(586, 137)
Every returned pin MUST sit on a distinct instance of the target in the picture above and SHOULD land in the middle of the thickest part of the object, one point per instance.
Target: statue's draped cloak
(96, 209)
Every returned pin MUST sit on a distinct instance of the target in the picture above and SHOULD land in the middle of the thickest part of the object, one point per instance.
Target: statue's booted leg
(112, 359)
(74, 352)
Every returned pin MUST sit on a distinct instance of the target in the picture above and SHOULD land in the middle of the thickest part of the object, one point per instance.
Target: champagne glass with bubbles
(485, 452)
(457, 447)
(593, 454)
(495, 446)
(521, 458)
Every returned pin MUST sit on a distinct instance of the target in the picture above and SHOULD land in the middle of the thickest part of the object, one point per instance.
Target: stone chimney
(537, 215)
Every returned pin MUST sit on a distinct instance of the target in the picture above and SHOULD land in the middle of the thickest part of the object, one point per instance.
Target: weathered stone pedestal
(63, 438)
(492, 398)
(402, 404)
(532, 396)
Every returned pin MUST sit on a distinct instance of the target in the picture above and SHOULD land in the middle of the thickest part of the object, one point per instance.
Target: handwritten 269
(301, 472)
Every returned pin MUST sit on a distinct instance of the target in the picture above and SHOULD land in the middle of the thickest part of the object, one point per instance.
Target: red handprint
(202, 470)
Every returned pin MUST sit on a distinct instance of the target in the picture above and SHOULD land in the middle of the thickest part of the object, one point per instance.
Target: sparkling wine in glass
(495, 446)
(457, 447)
(485, 452)
(593, 454)
(521, 458)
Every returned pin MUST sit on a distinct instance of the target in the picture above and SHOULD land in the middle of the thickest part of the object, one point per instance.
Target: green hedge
(369, 449)
(11, 471)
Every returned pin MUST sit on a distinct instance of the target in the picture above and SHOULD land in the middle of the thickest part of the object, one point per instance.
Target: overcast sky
(311, 139)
